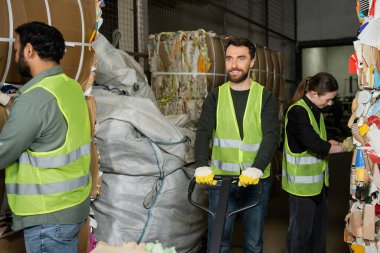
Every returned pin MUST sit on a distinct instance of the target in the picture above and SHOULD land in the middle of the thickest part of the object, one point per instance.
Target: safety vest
(303, 173)
(231, 154)
(44, 182)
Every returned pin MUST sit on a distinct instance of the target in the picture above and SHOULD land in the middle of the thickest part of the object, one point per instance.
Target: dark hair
(46, 40)
(242, 42)
(321, 83)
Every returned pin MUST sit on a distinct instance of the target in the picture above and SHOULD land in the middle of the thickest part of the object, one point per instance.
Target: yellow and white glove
(4, 98)
(348, 144)
(204, 175)
(250, 176)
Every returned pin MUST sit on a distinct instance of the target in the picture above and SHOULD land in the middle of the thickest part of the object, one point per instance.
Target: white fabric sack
(116, 69)
(144, 184)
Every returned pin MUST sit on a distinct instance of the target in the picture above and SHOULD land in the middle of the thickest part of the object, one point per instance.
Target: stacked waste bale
(185, 65)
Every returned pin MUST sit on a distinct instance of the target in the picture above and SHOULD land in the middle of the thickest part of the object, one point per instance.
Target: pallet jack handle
(221, 214)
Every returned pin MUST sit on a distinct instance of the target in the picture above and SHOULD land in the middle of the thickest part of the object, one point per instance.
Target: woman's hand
(336, 147)
(334, 142)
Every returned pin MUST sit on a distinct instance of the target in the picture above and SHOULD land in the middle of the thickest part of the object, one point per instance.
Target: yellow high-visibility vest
(44, 182)
(231, 154)
(303, 173)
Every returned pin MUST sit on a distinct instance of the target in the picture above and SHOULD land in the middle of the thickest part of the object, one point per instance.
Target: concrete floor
(277, 221)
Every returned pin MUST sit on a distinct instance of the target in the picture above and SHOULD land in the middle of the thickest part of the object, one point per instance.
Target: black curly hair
(46, 40)
(242, 42)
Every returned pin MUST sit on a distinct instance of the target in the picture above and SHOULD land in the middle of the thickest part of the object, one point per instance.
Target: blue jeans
(252, 219)
(52, 238)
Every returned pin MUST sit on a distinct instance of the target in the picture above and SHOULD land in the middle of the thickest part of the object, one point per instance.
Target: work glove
(4, 98)
(250, 176)
(204, 175)
(348, 145)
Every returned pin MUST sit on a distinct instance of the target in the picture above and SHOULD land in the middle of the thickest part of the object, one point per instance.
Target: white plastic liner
(118, 70)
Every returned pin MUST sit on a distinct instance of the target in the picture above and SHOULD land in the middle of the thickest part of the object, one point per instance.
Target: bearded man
(240, 118)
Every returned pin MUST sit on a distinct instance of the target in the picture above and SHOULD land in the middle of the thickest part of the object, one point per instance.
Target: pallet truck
(220, 215)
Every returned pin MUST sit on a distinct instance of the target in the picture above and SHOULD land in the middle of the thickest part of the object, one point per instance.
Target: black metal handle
(221, 177)
(250, 205)
(194, 203)
(221, 213)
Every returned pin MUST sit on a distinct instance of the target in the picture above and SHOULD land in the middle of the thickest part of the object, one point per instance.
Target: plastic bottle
(353, 175)
(359, 168)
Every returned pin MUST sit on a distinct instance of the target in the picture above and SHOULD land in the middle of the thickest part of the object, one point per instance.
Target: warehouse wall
(333, 60)
(326, 19)
(325, 24)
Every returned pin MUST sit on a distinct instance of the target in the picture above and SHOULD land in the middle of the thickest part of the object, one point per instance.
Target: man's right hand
(204, 175)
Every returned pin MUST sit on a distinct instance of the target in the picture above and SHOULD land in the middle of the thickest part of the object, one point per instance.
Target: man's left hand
(250, 176)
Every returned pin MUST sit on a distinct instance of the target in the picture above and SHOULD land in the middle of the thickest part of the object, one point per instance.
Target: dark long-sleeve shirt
(301, 135)
(269, 126)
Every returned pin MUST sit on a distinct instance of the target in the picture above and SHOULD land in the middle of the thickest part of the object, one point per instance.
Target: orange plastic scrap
(359, 13)
(203, 64)
(92, 38)
(357, 248)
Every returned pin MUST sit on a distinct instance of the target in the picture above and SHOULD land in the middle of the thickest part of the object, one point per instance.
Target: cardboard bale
(3, 207)
(84, 237)
(281, 97)
(276, 73)
(66, 16)
(269, 68)
(215, 49)
(12, 242)
(94, 165)
(260, 66)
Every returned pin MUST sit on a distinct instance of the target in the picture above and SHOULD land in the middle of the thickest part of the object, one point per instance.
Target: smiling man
(241, 120)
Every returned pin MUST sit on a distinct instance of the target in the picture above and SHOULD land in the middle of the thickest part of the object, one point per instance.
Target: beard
(22, 66)
(239, 79)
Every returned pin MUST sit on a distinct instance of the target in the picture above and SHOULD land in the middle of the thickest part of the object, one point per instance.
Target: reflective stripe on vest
(235, 144)
(45, 182)
(302, 160)
(303, 174)
(52, 188)
(303, 179)
(229, 166)
(231, 154)
(57, 161)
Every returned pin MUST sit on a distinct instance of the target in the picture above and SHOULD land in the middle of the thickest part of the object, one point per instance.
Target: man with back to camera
(241, 119)
(45, 145)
